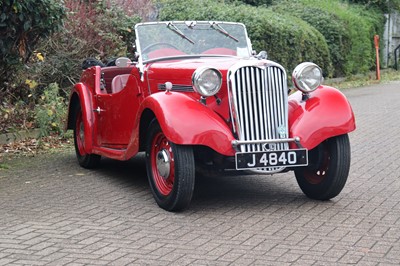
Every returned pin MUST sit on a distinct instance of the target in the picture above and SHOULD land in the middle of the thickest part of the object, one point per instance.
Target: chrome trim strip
(176, 87)
(244, 142)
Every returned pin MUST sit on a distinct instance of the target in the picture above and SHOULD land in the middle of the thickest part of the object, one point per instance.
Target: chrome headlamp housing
(307, 77)
(206, 81)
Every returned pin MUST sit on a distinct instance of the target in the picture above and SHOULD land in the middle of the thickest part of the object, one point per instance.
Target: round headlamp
(207, 81)
(307, 77)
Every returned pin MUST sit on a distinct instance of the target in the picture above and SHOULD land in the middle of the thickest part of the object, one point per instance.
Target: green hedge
(288, 41)
(338, 39)
(384, 5)
(348, 30)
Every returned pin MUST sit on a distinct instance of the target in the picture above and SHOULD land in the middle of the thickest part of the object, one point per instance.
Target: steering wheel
(158, 43)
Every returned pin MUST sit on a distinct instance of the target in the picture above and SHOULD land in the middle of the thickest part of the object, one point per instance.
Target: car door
(116, 112)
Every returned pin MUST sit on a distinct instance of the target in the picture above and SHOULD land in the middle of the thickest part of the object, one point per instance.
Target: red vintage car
(196, 97)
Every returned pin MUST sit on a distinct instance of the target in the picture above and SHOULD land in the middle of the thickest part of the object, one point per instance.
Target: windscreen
(166, 39)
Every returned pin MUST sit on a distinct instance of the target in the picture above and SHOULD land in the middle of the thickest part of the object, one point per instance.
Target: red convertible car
(196, 97)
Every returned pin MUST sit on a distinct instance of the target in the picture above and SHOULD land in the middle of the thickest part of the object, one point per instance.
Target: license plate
(249, 160)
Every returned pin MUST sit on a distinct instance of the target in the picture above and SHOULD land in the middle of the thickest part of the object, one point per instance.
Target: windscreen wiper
(218, 28)
(177, 31)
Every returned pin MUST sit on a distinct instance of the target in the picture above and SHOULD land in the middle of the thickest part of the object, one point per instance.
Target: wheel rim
(317, 173)
(80, 134)
(162, 164)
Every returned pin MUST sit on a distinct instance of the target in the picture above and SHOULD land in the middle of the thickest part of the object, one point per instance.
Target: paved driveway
(52, 212)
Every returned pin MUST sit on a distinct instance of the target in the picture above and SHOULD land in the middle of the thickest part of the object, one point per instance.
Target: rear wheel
(170, 170)
(85, 160)
(328, 169)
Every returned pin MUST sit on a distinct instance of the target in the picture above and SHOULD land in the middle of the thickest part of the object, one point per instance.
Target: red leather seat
(119, 82)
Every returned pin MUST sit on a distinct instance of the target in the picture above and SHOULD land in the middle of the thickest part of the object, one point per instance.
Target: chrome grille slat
(255, 125)
(258, 96)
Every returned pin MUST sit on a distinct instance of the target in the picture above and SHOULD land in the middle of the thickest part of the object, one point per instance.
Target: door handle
(98, 110)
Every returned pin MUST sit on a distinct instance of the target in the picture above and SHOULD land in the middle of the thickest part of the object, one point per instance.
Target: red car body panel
(186, 121)
(85, 98)
(326, 114)
(114, 130)
(116, 118)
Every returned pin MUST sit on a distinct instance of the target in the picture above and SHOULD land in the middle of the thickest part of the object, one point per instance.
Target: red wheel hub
(318, 174)
(162, 164)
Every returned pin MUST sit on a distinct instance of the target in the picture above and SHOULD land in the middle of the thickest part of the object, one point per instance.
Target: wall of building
(391, 39)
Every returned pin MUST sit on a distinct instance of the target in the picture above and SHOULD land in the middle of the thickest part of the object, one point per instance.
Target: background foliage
(22, 25)
(383, 5)
(348, 31)
(100, 30)
(51, 111)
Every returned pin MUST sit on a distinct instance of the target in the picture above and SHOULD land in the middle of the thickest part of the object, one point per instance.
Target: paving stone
(5, 261)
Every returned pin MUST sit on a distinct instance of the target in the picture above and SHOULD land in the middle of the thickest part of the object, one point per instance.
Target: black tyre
(328, 169)
(85, 160)
(170, 170)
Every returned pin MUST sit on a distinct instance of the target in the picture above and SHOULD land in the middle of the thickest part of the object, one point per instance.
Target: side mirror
(123, 62)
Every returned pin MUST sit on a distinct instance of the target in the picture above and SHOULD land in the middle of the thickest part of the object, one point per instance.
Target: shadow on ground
(246, 191)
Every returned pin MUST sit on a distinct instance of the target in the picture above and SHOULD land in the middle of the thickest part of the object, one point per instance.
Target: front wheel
(328, 169)
(170, 170)
(85, 159)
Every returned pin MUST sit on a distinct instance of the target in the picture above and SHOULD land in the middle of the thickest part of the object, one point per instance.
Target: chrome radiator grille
(258, 100)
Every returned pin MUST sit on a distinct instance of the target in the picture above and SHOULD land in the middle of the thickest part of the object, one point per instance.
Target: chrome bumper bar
(237, 143)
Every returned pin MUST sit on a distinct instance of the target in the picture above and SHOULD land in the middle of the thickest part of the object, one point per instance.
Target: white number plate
(249, 160)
